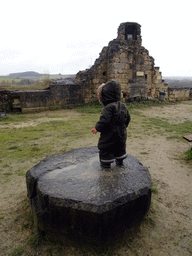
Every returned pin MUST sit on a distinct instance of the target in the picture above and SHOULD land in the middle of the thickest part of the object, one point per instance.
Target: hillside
(24, 74)
(32, 75)
(178, 81)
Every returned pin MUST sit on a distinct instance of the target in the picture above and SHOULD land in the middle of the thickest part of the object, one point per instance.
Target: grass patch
(91, 108)
(145, 104)
(8, 173)
(17, 117)
(13, 147)
(35, 239)
(45, 138)
(179, 129)
(144, 153)
(154, 190)
(188, 155)
(6, 165)
(18, 251)
(20, 172)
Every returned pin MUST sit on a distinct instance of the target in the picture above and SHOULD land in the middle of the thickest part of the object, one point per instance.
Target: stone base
(70, 194)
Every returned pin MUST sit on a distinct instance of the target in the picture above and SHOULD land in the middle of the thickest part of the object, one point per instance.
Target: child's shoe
(106, 163)
(119, 162)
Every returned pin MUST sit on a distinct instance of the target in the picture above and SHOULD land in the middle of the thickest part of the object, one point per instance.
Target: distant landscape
(29, 80)
(178, 81)
(34, 79)
(34, 76)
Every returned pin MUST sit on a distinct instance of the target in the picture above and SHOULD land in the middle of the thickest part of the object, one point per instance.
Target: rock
(70, 194)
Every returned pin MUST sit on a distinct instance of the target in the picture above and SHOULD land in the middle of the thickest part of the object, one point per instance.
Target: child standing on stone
(112, 125)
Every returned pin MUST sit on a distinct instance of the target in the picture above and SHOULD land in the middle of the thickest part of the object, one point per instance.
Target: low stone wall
(67, 92)
(30, 99)
(61, 93)
(5, 101)
(179, 94)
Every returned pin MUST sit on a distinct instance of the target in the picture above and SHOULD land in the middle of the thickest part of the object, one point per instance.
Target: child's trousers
(116, 151)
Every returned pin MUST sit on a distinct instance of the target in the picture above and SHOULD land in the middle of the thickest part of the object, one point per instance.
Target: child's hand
(94, 131)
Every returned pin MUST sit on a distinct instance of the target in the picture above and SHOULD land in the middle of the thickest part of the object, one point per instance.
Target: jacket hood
(109, 92)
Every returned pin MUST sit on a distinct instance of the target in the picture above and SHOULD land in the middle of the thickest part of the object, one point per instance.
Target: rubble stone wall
(179, 94)
(61, 93)
(5, 101)
(30, 99)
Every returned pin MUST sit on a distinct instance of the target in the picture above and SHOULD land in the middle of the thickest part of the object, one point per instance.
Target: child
(112, 125)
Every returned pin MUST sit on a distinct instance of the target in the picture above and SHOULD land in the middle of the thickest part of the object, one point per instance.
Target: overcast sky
(65, 36)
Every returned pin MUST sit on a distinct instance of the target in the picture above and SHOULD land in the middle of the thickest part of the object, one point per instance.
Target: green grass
(188, 155)
(19, 250)
(145, 104)
(9, 80)
(154, 190)
(161, 125)
(18, 117)
(90, 108)
(41, 140)
(144, 153)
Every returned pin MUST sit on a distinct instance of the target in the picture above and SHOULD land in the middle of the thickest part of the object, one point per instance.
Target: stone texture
(179, 93)
(60, 93)
(5, 101)
(71, 194)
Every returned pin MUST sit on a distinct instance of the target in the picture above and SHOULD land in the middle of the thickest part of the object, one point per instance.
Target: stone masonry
(6, 101)
(125, 60)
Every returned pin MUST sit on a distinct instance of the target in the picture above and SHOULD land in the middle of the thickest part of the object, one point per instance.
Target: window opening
(131, 32)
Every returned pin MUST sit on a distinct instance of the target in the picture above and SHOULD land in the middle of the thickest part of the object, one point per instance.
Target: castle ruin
(125, 60)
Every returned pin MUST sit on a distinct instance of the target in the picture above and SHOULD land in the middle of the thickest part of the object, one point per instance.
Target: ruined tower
(125, 60)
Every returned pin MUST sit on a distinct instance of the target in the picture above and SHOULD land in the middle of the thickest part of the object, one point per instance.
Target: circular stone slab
(71, 194)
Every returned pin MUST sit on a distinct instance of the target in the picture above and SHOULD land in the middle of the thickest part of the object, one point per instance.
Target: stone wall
(61, 93)
(5, 101)
(29, 99)
(179, 94)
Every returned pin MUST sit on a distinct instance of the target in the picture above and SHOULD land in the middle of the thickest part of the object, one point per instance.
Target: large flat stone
(71, 194)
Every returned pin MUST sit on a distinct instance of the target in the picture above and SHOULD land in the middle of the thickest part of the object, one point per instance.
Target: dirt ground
(167, 230)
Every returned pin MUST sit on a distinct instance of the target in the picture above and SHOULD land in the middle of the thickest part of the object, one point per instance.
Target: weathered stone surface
(5, 101)
(70, 193)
